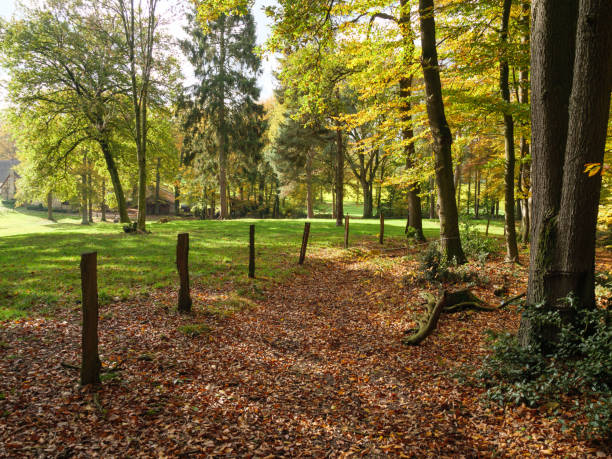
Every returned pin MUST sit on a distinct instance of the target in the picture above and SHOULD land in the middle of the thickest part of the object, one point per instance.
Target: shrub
(577, 363)
(475, 245)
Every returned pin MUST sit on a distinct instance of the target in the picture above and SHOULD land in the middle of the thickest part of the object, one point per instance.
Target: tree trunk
(524, 190)
(586, 139)
(450, 242)
(89, 194)
(368, 206)
(333, 203)
(553, 34)
(525, 164)
(84, 219)
(222, 130)
(50, 206)
(432, 200)
(469, 191)
(103, 201)
(477, 194)
(157, 185)
(114, 175)
(504, 86)
(415, 217)
(309, 197)
(339, 175)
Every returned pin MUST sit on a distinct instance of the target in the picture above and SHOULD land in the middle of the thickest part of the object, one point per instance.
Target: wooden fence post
(182, 265)
(304, 243)
(90, 363)
(381, 237)
(252, 251)
(346, 232)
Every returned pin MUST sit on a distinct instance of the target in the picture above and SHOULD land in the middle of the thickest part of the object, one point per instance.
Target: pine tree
(225, 67)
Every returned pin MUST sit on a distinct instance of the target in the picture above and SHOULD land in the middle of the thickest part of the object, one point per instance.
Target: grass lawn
(39, 260)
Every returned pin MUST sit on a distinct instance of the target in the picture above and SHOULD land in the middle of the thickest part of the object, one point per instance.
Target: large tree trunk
(339, 176)
(450, 242)
(586, 139)
(504, 86)
(114, 175)
(553, 34)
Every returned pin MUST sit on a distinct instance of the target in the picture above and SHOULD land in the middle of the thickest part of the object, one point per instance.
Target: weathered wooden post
(182, 264)
(346, 231)
(252, 251)
(381, 236)
(90, 363)
(304, 243)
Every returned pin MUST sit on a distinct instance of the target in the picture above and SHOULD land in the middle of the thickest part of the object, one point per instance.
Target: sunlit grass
(39, 260)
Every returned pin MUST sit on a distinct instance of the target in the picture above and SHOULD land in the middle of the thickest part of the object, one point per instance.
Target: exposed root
(450, 303)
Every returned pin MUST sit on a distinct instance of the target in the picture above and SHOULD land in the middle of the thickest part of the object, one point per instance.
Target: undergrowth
(577, 366)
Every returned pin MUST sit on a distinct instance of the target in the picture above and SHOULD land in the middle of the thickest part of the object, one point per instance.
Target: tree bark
(222, 131)
(339, 175)
(415, 217)
(504, 86)
(450, 242)
(84, 219)
(157, 184)
(114, 175)
(309, 197)
(588, 121)
(89, 193)
(103, 201)
(50, 206)
(553, 34)
(469, 191)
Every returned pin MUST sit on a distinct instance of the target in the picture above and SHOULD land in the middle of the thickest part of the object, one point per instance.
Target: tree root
(449, 303)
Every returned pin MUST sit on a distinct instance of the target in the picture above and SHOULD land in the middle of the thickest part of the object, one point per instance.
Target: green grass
(39, 260)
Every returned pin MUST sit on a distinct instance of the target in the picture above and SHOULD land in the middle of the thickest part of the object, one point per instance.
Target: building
(8, 179)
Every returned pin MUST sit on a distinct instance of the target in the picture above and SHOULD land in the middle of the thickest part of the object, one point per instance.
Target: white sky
(266, 80)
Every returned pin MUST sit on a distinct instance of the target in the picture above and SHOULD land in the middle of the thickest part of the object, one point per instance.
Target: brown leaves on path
(315, 369)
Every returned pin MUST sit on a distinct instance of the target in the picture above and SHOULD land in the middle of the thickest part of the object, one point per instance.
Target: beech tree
(62, 63)
(450, 241)
(571, 65)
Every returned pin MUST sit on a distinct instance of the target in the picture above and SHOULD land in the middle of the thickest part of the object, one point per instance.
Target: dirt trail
(316, 369)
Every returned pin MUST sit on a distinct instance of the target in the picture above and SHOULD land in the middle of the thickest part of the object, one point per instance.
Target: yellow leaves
(593, 169)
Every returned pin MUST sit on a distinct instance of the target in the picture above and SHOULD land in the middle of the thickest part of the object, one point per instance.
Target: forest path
(317, 368)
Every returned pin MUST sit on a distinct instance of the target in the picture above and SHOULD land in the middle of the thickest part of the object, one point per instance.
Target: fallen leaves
(314, 368)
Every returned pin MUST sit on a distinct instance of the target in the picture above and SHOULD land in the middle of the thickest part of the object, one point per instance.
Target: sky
(269, 63)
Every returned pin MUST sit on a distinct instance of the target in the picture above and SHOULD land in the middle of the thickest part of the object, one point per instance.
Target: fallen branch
(450, 303)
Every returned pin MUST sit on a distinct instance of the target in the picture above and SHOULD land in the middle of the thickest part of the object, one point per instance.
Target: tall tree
(450, 241)
(571, 52)
(62, 61)
(504, 86)
(140, 23)
(226, 66)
